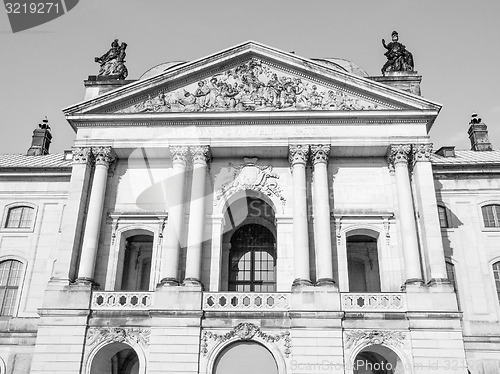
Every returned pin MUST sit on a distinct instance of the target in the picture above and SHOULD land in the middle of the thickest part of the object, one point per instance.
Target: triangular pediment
(251, 78)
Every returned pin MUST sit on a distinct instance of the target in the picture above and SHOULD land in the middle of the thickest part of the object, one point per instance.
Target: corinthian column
(103, 156)
(398, 157)
(172, 244)
(201, 158)
(298, 155)
(322, 230)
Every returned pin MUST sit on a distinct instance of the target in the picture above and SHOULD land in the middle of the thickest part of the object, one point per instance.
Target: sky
(455, 44)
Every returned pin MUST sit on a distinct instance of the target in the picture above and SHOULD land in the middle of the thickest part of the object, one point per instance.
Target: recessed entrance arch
(378, 359)
(116, 358)
(245, 358)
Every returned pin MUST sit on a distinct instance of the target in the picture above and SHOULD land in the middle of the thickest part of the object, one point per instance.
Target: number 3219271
(40, 8)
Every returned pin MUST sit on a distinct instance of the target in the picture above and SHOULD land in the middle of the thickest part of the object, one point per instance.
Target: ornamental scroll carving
(246, 331)
(251, 86)
(96, 335)
(82, 155)
(389, 338)
(103, 155)
(421, 152)
(250, 176)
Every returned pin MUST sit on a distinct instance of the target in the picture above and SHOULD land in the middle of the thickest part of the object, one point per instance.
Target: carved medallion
(252, 86)
(250, 176)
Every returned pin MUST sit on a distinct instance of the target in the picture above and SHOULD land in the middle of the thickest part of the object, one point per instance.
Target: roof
(50, 161)
(467, 157)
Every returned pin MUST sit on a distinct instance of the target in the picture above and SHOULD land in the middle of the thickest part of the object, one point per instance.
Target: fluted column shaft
(399, 157)
(298, 155)
(201, 158)
(103, 157)
(322, 229)
(172, 241)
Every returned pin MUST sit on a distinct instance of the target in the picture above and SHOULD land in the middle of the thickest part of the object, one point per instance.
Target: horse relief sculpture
(251, 86)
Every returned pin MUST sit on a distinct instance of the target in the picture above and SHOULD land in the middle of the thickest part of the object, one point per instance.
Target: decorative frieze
(247, 331)
(139, 335)
(250, 176)
(103, 155)
(178, 154)
(320, 153)
(298, 154)
(82, 155)
(201, 154)
(389, 338)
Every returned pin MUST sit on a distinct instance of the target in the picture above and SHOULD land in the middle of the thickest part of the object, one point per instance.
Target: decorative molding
(389, 338)
(201, 154)
(253, 85)
(179, 154)
(82, 155)
(139, 335)
(103, 155)
(250, 176)
(399, 153)
(246, 331)
(320, 153)
(298, 154)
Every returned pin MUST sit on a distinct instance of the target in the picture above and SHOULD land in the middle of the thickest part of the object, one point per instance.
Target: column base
(192, 282)
(84, 281)
(299, 282)
(412, 283)
(438, 281)
(168, 282)
(326, 282)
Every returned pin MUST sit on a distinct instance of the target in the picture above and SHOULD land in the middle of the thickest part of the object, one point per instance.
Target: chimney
(41, 140)
(478, 135)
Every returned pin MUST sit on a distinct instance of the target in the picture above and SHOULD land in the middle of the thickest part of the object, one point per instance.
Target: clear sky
(455, 44)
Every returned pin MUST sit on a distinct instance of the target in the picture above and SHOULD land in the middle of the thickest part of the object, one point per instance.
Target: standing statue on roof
(112, 62)
(398, 58)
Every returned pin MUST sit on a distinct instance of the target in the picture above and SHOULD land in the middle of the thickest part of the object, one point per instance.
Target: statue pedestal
(98, 84)
(408, 81)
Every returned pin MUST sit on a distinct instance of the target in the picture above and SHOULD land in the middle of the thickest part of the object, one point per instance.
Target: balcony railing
(119, 300)
(374, 302)
(240, 301)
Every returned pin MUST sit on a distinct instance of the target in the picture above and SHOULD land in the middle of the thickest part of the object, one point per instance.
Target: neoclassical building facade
(252, 208)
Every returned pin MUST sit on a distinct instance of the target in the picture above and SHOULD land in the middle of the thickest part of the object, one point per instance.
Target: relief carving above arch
(130, 335)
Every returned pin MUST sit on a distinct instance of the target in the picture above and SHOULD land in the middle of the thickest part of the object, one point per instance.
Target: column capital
(179, 154)
(399, 153)
(201, 154)
(298, 154)
(421, 152)
(82, 155)
(320, 153)
(103, 155)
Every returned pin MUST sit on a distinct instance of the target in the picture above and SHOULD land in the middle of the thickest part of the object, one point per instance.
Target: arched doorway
(377, 359)
(363, 264)
(245, 358)
(134, 263)
(115, 358)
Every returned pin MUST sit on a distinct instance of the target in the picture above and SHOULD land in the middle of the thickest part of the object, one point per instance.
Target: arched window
(491, 215)
(10, 278)
(443, 217)
(496, 273)
(19, 217)
(252, 262)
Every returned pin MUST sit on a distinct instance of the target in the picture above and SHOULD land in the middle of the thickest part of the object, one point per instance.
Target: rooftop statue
(113, 61)
(398, 58)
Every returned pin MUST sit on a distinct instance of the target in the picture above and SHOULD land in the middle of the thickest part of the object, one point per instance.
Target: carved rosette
(201, 154)
(298, 154)
(103, 155)
(82, 155)
(179, 155)
(399, 153)
(375, 337)
(247, 331)
(139, 335)
(320, 153)
(421, 152)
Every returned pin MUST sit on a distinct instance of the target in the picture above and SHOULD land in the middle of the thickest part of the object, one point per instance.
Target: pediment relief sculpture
(252, 86)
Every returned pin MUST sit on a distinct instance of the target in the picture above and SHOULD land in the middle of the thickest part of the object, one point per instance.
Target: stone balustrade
(376, 302)
(119, 300)
(245, 301)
